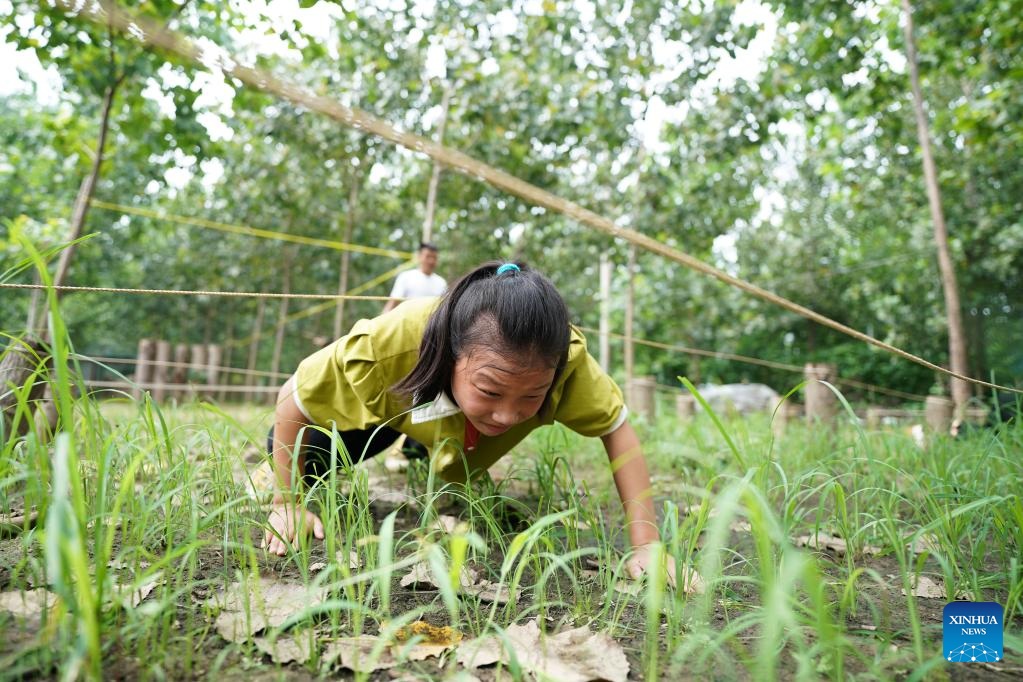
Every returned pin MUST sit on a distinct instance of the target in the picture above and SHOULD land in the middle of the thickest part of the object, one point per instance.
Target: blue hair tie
(507, 267)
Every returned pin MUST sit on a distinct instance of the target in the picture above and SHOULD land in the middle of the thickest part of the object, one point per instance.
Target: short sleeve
(591, 403)
(398, 291)
(349, 381)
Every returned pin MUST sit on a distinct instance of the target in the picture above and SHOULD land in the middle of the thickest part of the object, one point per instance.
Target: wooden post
(821, 404)
(938, 413)
(197, 364)
(282, 323)
(873, 417)
(144, 367)
(179, 375)
(227, 378)
(213, 355)
(641, 396)
(605, 311)
(685, 406)
(628, 350)
(161, 370)
(630, 289)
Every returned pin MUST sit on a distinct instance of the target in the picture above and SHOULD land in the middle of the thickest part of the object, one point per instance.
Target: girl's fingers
(317, 527)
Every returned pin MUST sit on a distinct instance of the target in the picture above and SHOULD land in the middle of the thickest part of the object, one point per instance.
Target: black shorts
(360, 445)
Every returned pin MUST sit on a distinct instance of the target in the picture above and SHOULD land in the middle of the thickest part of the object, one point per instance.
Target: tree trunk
(605, 310)
(431, 194)
(87, 188)
(627, 350)
(342, 284)
(956, 338)
(257, 330)
(282, 317)
(227, 378)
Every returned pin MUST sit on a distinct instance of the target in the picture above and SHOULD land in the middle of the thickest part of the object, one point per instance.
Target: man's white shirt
(415, 284)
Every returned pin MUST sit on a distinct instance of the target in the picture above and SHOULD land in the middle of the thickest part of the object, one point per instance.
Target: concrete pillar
(685, 406)
(821, 403)
(640, 396)
(938, 413)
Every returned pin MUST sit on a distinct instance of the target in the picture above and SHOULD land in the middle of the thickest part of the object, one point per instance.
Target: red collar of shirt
(472, 435)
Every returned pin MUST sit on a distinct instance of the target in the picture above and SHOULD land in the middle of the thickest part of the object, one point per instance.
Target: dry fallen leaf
(488, 592)
(130, 598)
(630, 587)
(421, 577)
(295, 647)
(445, 523)
(258, 481)
(382, 491)
(930, 589)
(355, 654)
(27, 603)
(354, 562)
(928, 542)
(482, 651)
(925, 587)
(691, 581)
(836, 545)
(247, 608)
(576, 655)
(15, 522)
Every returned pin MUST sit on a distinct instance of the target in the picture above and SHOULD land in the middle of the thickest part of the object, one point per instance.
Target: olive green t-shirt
(348, 382)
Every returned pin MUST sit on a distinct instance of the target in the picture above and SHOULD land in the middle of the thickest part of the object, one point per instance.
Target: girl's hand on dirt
(287, 520)
(642, 560)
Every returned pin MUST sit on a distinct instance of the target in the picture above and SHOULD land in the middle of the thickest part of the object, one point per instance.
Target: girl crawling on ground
(485, 364)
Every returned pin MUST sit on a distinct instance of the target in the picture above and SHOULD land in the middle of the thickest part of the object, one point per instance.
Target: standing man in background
(420, 282)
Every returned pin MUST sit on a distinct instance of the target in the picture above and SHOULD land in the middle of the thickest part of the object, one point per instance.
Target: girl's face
(495, 393)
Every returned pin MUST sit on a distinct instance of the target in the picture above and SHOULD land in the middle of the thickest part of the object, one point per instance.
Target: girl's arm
(633, 482)
(288, 421)
(288, 519)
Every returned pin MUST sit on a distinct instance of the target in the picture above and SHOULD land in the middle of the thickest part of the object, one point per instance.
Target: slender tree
(956, 336)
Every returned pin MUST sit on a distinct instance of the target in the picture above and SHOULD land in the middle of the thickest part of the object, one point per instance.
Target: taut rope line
(201, 292)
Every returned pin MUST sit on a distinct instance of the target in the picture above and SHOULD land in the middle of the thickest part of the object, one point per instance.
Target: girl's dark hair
(517, 314)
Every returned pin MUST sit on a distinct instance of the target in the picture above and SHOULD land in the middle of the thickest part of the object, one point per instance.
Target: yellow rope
(160, 36)
(250, 231)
